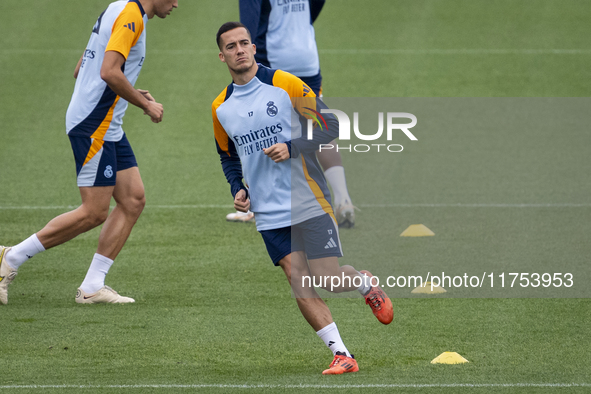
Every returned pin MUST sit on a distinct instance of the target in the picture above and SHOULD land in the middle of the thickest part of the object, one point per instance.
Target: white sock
(95, 277)
(336, 178)
(20, 253)
(331, 337)
(365, 284)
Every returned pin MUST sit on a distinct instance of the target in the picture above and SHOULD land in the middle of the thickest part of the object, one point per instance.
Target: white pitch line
(460, 205)
(50, 52)
(56, 207)
(301, 386)
(365, 206)
(393, 51)
(197, 206)
(457, 51)
(38, 207)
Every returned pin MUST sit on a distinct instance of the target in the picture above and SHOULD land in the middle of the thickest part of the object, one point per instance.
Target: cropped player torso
(291, 41)
(95, 110)
(283, 33)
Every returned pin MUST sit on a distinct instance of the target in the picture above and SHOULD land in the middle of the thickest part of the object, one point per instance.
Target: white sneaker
(245, 217)
(104, 295)
(7, 275)
(345, 214)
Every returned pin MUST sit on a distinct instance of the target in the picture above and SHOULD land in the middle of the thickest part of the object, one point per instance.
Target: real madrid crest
(108, 172)
(272, 109)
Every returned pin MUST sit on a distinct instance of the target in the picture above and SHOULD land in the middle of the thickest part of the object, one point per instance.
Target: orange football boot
(380, 304)
(341, 364)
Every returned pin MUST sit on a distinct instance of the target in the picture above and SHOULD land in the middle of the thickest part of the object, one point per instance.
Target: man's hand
(155, 111)
(241, 202)
(278, 152)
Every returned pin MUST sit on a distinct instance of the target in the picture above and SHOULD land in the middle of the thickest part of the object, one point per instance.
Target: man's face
(237, 51)
(163, 8)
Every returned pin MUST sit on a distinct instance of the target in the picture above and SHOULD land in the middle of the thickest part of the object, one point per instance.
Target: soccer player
(285, 40)
(105, 164)
(253, 130)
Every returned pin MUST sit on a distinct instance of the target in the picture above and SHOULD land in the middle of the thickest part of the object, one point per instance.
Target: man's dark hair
(227, 27)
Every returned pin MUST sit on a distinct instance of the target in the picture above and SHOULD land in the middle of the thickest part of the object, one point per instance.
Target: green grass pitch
(212, 314)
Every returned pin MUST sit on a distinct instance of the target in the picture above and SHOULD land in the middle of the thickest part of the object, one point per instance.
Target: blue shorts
(317, 237)
(97, 161)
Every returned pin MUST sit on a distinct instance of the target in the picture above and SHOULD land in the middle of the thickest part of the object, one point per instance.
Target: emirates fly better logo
(345, 130)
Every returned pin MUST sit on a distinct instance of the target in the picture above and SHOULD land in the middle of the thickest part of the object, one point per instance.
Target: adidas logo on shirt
(331, 244)
(130, 26)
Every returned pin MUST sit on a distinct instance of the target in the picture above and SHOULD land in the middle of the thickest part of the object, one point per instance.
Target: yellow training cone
(417, 230)
(426, 289)
(449, 358)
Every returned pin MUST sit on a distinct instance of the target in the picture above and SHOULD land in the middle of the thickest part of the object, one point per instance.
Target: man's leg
(317, 314)
(332, 165)
(92, 212)
(320, 236)
(347, 278)
(130, 199)
(129, 196)
(343, 279)
(313, 308)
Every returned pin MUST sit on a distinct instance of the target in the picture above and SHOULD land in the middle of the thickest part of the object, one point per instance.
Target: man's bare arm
(111, 73)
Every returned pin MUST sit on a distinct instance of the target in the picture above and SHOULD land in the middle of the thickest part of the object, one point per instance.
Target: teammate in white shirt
(105, 164)
(256, 137)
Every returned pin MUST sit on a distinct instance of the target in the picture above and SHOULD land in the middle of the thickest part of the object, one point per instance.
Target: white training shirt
(95, 110)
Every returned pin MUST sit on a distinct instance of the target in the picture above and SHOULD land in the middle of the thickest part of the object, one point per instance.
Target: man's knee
(138, 203)
(329, 276)
(295, 266)
(285, 264)
(95, 216)
(129, 192)
(325, 267)
(133, 204)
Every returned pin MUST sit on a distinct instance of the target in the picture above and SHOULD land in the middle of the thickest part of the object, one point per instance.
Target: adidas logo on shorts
(331, 244)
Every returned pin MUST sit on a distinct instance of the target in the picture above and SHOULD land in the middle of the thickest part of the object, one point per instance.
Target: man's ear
(222, 57)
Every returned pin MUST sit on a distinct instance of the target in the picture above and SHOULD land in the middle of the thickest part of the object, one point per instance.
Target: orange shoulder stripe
(220, 134)
(302, 97)
(127, 29)
(294, 86)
